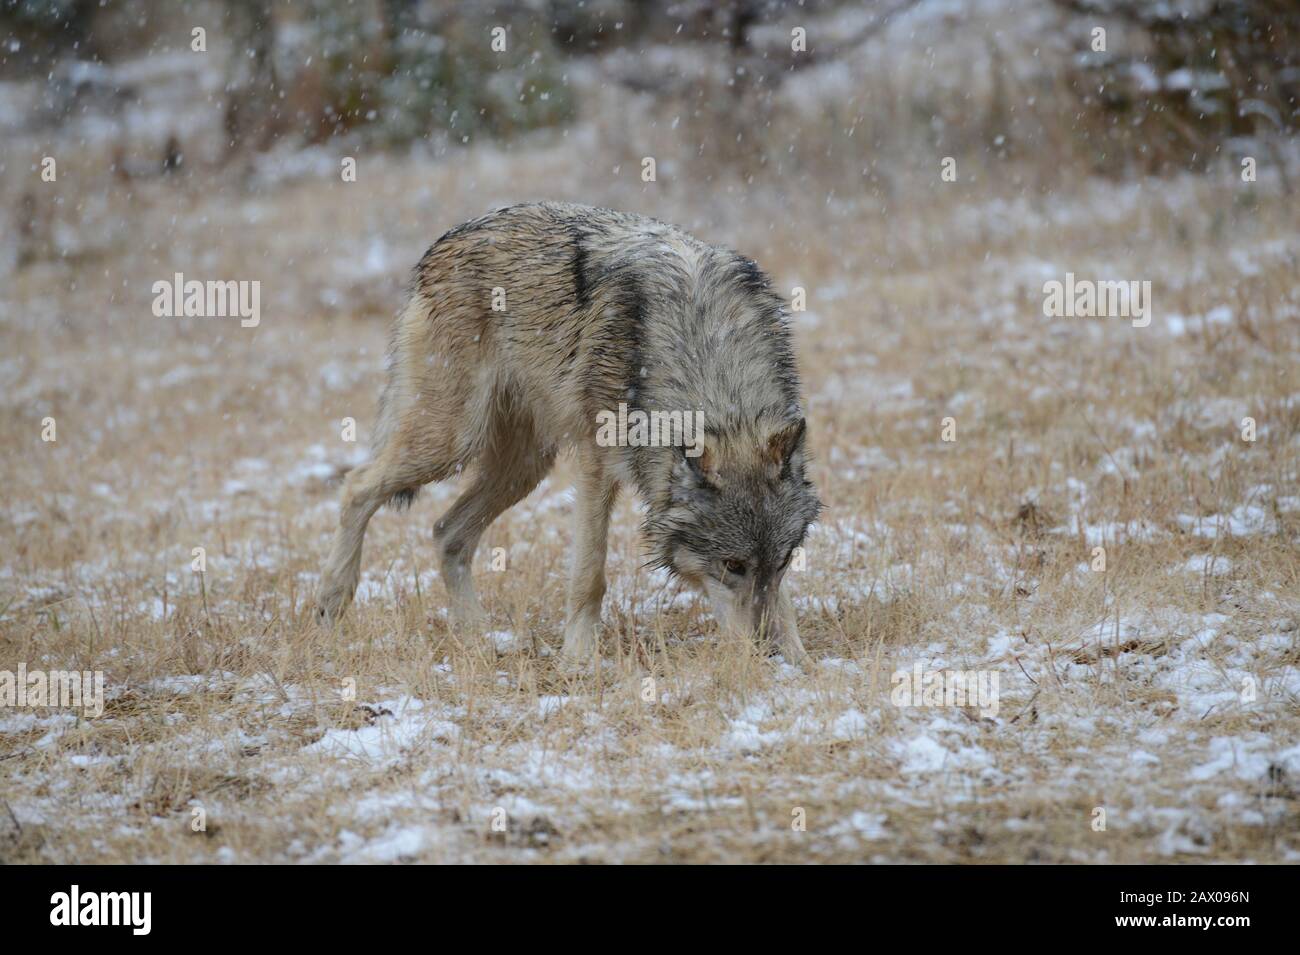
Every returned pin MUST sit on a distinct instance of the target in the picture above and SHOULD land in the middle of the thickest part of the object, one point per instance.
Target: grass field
(1148, 701)
(1125, 690)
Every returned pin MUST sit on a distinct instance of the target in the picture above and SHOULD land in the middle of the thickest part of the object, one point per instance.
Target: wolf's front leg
(596, 493)
(787, 640)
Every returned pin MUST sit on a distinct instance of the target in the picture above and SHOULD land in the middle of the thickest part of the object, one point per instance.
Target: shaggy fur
(594, 308)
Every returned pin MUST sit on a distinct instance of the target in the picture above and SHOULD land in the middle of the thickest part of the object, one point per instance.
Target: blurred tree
(388, 71)
(1200, 73)
(252, 112)
(47, 29)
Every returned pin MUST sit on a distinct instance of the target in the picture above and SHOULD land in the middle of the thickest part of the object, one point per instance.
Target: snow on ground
(1099, 537)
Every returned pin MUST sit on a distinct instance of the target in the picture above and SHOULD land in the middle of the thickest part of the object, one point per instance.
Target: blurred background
(920, 168)
(1020, 92)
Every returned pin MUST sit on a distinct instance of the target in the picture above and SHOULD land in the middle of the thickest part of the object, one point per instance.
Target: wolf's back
(584, 308)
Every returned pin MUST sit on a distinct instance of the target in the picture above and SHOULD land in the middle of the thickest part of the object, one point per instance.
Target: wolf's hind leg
(430, 416)
(413, 456)
(597, 491)
(508, 468)
(787, 639)
(366, 489)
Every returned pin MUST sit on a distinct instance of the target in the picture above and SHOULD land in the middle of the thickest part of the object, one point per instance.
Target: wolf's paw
(469, 620)
(798, 658)
(331, 605)
(581, 646)
(791, 648)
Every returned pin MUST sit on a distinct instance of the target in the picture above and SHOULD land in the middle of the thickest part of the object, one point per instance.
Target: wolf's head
(731, 519)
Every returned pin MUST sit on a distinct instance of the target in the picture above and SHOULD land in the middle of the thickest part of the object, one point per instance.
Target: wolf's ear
(783, 445)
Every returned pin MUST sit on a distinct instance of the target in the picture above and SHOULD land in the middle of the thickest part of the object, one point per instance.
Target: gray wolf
(529, 327)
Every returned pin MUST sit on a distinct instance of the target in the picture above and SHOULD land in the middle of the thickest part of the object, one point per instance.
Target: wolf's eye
(734, 567)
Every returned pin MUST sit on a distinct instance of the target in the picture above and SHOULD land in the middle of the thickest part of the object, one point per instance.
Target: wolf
(524, 329)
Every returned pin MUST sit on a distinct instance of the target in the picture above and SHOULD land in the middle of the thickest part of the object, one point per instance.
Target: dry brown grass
(1119, 690)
